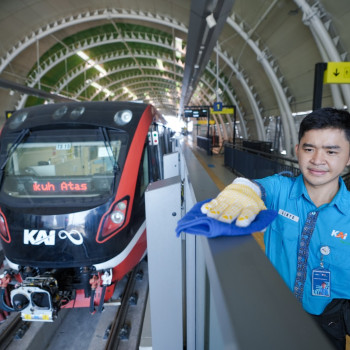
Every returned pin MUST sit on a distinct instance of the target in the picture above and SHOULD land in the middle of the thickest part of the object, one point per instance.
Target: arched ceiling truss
(116, 63)
(144, 61)
(88, 16)
(153, 43)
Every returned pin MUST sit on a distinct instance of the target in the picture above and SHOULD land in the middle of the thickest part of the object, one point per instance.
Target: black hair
(325, 118)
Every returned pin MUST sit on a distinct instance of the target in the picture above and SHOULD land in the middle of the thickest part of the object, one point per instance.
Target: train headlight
(4, 231)
(77, 112)
(60, 112)
(123, 117)
(117, 217)
(113, 221)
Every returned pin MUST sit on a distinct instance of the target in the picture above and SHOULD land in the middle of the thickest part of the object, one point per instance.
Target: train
(73, 178)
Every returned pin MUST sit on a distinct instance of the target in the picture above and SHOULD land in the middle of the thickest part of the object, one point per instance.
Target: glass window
(80, 163)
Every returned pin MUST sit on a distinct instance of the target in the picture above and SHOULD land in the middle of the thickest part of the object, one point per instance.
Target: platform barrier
(220, 293)
(264, 164)
(205, 143)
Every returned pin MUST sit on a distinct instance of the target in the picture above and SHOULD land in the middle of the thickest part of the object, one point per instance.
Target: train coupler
(34, 299)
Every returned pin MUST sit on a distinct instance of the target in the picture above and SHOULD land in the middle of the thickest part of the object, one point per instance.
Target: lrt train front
(69, 222)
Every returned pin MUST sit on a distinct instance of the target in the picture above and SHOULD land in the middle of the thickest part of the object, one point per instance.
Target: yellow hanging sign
(224, 110)
(205, 122)
(337, 73)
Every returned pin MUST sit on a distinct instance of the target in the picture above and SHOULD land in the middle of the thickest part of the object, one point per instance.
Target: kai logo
(339, 234)
(37, 237)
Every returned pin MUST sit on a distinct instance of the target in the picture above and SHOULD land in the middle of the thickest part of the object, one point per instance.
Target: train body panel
(72, 216)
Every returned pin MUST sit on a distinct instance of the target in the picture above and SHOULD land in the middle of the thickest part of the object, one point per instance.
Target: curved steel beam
(124, 69)
(78, 70)
(86, 44)
(286, 114)
(97, 40)
(252, 98)
(88, 16)
(233, 101)
(324, 42)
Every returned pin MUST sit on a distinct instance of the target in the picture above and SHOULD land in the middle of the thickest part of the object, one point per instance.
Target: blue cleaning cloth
(200, 224)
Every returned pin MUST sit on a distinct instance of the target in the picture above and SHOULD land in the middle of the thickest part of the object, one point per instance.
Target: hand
(239, 200)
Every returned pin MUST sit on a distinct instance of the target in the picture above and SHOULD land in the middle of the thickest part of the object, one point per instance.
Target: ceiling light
(178, 43)
(91, 63)
(160, 64)
(83, 55)
(96, 85)
(178, 47)
(101, 70)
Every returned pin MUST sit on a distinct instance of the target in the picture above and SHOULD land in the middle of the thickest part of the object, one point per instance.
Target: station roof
(258, 55)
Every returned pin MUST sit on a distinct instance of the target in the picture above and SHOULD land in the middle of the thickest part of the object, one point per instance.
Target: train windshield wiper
(14, 146)
(107, 141)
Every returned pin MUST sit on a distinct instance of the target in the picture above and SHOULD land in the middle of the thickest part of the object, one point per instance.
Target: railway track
(117, 327)
(120, 328)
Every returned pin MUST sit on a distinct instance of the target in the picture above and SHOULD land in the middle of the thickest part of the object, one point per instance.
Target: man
(309, 242)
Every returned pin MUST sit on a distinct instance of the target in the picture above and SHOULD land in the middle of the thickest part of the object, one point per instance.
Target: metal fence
(255, 164)
(205, 143)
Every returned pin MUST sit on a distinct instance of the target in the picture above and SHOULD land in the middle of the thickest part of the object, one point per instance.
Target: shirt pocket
(286, 229)
(283, 239)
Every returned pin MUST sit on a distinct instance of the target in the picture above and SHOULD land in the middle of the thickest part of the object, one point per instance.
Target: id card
(321, 283)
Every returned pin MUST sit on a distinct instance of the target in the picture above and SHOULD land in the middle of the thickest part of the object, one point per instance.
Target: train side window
(143, 175)
(153, 162)
(144, 171)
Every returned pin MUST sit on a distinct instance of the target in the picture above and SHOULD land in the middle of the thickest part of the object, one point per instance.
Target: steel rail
(10, 329)
(119, 320)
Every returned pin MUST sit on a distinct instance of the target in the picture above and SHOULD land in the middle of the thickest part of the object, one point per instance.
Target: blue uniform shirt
(331, 229)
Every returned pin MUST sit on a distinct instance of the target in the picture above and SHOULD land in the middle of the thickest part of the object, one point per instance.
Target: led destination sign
(59, 186)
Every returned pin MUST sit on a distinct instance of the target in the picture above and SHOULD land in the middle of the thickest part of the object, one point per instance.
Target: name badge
(321, 283)
(288, 215)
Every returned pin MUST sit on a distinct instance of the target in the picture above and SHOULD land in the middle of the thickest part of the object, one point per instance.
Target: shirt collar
(341, 199)
(298, 188)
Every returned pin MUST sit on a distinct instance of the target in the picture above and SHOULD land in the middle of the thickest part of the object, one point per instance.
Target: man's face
(323, 155)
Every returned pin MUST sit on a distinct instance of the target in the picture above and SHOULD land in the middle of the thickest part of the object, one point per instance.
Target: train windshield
(63, 163)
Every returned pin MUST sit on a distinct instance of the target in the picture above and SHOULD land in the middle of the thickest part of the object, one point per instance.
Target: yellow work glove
(239, 200)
